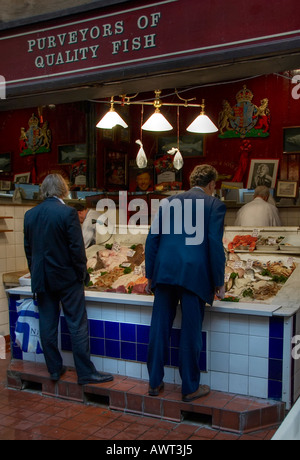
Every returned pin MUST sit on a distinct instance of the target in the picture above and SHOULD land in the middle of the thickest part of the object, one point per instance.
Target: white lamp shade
(202, 124)
(157, 122)
(110, 120)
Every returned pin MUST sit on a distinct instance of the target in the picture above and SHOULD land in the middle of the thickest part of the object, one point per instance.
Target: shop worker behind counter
(259, 212)
(88, 219)
(57, 262)
(189, 273)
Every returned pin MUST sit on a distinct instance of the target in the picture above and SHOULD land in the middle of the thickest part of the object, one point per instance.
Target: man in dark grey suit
(185, 261)
(57, 262)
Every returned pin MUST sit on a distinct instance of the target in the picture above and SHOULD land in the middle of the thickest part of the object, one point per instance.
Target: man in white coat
(259, 212)
(88, 219)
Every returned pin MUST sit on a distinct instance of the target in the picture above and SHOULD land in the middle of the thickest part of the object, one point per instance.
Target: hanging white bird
(141, 159)
(178, 160)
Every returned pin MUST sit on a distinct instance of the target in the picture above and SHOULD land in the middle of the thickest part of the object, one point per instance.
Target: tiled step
(228, 412)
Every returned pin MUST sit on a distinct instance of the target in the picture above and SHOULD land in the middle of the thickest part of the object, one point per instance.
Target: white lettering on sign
(70, 47)
(148, 41)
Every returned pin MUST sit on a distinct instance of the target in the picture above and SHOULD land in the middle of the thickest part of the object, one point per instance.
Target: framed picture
(190, 145)
(291, 140)
(5, 185)
(287, 189)
(5, 162)
(71, 153)
(115, 175)
(262, 172)
(141, 180)
(22, 178)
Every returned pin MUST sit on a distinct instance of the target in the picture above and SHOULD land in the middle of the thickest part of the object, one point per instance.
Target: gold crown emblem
(244, 95)
(33, 121)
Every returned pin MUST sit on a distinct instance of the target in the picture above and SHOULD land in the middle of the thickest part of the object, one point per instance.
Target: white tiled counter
(247, 348)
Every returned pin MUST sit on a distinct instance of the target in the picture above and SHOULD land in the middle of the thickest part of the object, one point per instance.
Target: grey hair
(202, 175)
(54, 185)
(262, 191)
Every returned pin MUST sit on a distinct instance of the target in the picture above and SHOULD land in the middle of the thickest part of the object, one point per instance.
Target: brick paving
(29, 415)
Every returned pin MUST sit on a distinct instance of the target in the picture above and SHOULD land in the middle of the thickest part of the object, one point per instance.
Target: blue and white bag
(27, 326)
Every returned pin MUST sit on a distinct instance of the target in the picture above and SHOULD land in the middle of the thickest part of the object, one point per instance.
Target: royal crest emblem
(35, 139)
(245, 119)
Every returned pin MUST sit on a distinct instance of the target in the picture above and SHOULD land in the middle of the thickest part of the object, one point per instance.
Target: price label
(255, 233)
(137, 270)
(116, 247)
(290, 262)
(249, 263)
(238, 264)
(125, 265)
(130, 253)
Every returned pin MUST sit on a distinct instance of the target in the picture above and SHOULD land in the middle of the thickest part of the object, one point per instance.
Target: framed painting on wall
(190, 145)
(141, 180)
(287, 189)
(115, 175)
(5, 162)
(291, 140)
(262, 172)
(22, 178)
(5, 185)
(71, 153)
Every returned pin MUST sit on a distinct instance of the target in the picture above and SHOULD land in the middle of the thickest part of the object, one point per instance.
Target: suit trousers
(72, 301)
(165, 305)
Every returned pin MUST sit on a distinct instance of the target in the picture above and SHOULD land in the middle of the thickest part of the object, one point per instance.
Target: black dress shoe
(98, 377)
(57, 375)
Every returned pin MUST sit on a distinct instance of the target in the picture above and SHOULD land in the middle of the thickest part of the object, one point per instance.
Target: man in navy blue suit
(185, 262)
(57, 262)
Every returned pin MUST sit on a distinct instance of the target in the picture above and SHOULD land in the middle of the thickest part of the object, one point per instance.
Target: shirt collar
(59, 199)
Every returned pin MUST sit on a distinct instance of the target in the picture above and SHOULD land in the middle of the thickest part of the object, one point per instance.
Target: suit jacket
(174, 258)
(54, 246)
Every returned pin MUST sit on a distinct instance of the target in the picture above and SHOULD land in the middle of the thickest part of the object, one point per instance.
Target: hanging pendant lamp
(157, 122)
(111, 119)
(202, 124)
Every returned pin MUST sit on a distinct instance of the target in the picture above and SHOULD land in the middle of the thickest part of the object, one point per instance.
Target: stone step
(228, 412)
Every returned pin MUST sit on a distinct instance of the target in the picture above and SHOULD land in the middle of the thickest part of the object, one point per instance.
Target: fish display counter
(248, 337)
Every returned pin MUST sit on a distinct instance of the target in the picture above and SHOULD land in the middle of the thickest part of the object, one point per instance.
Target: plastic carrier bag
(27, 327)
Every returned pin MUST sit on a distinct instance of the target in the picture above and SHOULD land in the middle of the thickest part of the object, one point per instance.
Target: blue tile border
(127, 341)
(275, 372)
